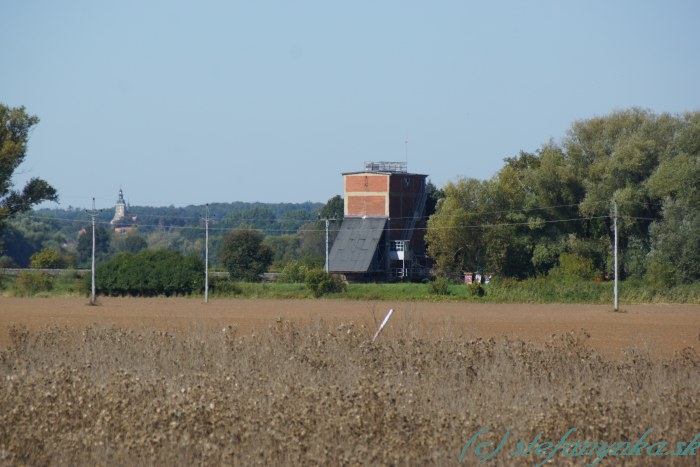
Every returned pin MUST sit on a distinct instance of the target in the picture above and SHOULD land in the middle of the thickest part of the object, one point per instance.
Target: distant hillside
(178, 228)
(282, 217)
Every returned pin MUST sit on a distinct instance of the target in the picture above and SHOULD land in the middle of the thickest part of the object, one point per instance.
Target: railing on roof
(382, 166)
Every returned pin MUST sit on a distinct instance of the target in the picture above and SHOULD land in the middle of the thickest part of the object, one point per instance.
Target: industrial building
(382, 234)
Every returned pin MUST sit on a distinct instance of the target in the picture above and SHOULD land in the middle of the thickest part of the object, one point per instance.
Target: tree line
(544, 212)
(554, 207)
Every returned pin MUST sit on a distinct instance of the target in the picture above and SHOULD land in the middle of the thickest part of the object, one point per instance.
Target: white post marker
(381, 326)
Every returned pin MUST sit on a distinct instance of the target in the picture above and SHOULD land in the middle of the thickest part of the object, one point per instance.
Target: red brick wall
(362, 182)
(366, 206)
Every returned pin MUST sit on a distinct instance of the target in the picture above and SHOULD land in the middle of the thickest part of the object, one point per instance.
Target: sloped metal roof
(356, 243)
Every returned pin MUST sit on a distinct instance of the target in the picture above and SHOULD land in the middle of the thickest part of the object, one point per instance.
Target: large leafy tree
(244, 255)
(559, 202)
(285, 247)
(334, 208)
(675, 239)
(481, 225)
(435, 194)
(15, 126)
(455, 233)
(102, 244)
(313, 234)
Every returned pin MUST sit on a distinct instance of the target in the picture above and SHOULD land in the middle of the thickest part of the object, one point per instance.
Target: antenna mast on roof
(406, 152)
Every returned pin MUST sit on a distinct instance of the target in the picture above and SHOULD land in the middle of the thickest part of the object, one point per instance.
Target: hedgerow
(150, 273)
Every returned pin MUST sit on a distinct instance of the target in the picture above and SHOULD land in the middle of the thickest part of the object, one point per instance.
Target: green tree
(480, 225)
(48, 258)
(675, 239)
(15, 126)
(132, 243)
(244, 255)
(17, 245)
(102, 243)
(313, 234)
(435, 194)
(573, 266)
(168, 240)
(286, 248)
(333, 209)
(312, 240)
(559, 201)
(290, 221)
(455, 233)
(256, 217)
(508, 239)
(613, 157)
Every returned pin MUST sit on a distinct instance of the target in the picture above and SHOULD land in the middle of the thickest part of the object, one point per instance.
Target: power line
(311, 219)
(171, 227)
(300, 230)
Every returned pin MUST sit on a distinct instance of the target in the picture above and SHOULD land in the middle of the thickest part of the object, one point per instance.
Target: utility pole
(327, 223)
(93, 213)
(615, 254)
(206, 254)
(327, 265)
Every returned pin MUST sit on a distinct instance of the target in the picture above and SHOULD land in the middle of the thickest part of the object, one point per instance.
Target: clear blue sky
(184, 102)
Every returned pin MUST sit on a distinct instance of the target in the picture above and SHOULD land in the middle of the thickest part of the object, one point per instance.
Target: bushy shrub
(293, 272)
(660, 275)
(223, 286)
(48, 258)
(573, 266)
(69, 282)
(440, 286)
(7, 262)
(544, 256)
(150, 273)
(321, 283)
(29, 283)
(475, 290)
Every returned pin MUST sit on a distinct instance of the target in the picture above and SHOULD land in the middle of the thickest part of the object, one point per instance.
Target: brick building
(382, 234)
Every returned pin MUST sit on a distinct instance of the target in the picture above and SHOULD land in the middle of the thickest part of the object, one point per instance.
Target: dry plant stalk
(317, 394)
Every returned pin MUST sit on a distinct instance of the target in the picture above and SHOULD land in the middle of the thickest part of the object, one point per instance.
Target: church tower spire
(119, 209)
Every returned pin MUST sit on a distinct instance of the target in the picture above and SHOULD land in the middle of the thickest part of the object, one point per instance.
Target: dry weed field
(267, 382)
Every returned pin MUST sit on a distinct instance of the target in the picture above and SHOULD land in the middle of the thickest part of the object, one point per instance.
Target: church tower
(123, 221)
(119, 209)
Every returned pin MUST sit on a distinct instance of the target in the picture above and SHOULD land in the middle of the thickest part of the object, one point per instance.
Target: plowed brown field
(662, 329)
(176, 382)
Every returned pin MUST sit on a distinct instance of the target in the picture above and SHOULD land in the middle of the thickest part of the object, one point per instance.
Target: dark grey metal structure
(355, 248)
